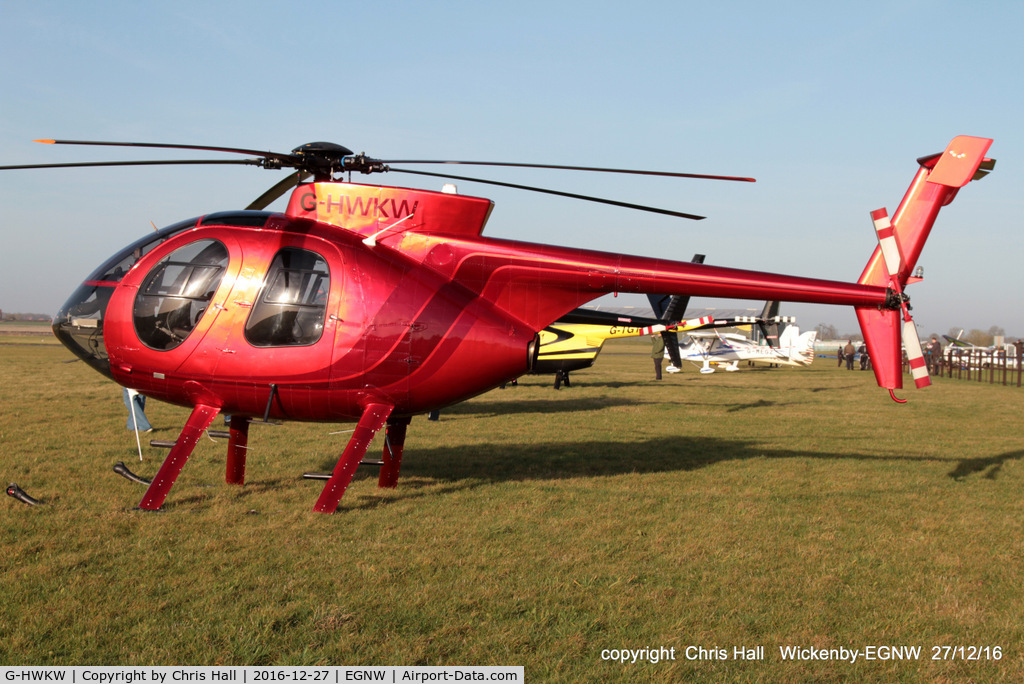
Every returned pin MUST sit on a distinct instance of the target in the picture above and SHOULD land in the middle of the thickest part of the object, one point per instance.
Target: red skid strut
(394, 444)
(370, 423)
(198, 421)
(237, 444)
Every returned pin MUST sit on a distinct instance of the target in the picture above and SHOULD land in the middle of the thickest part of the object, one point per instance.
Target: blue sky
(828, 105)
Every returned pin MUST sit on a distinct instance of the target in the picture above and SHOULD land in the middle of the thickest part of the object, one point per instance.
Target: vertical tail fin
(803, 351)
(672, 308)
(769, 324)
(936, 184)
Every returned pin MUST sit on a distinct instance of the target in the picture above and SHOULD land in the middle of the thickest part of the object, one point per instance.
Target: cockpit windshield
(79, 323)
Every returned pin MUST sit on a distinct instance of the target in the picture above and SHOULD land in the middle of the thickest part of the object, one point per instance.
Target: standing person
(136, 405)
(657, 353)
(934, 352)
(849, 351)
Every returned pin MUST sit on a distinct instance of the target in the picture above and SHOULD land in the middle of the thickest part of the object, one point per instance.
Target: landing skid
(374, 417)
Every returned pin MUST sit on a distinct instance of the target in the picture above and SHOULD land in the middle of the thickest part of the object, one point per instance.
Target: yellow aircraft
(574, 341)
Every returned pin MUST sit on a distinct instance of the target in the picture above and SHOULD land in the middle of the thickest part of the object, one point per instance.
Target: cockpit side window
(177, 292)
(292, 304)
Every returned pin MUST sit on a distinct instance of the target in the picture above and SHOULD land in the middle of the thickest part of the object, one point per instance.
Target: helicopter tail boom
(539, 283)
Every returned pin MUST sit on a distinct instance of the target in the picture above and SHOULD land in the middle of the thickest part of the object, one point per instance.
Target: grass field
(531, 527)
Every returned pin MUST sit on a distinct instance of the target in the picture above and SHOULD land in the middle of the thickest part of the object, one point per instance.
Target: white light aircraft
(726, 350)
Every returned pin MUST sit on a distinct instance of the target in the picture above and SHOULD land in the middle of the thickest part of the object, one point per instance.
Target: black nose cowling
(79, 324)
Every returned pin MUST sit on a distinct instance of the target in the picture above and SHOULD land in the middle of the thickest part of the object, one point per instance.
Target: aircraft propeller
(322, 160)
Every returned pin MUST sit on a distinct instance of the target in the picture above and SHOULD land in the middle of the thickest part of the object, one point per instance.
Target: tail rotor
(892, 255)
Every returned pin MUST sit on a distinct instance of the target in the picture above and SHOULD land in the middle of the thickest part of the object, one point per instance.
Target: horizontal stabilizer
(957, 166)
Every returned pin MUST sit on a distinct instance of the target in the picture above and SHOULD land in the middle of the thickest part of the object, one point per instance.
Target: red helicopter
(372, 304)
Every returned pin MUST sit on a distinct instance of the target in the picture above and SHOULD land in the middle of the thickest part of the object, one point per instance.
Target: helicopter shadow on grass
(518, 406)
(760, 403)
(588, 383)
(991, 466)
(565, 401)
(831, 388)
(493, 409)
(428, 472)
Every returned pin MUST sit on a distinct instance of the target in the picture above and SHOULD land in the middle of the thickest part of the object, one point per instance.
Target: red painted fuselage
(414, 308)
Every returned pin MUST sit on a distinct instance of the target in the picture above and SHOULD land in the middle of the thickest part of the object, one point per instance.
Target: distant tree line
(4, 316)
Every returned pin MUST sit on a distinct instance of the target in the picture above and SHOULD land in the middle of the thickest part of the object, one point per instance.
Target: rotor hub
(894, 300)
(322, 159)
(324, 150)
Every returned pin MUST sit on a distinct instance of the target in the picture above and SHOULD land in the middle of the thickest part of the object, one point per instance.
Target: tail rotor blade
(912, 343)
(887, 241)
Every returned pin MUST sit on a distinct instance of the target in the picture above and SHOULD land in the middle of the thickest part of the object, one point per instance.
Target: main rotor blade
(249, 162)
(671, 174)
(171, 146)
(588, 198)
(286, 184)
